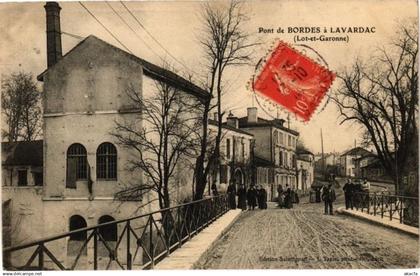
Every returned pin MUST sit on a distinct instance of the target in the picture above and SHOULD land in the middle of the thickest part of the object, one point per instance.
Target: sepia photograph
(209, 135)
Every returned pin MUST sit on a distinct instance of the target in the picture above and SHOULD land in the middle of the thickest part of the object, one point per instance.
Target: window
(281, 158)
(38, 178)
(281, 138)
(77, 240)
(76, 165)
(228, 148)
(243, 150)
(289, 140)
(22, 178)
(109, 234)
(106, 161)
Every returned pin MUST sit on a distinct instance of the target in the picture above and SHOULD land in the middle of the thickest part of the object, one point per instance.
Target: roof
(357, 151)
(303, 151)
(261, 122)
(22, 153)
(151, 70)
(226, 126)
(262, 162)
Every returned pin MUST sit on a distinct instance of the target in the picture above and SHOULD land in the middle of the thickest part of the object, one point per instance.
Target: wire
(137, 35)
(122, 44)
(144, 28)
(72, 35)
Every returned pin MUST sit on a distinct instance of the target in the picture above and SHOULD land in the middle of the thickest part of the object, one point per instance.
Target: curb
(190, 258)
(221, 234)
(410, 230)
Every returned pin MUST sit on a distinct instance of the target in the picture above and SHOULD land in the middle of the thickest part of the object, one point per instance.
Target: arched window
(106, 162)
(76, 240)
(77, 222)
(76, 164)
(108, 232)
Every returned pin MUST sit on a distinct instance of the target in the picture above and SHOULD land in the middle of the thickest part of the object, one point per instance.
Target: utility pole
(322, 154)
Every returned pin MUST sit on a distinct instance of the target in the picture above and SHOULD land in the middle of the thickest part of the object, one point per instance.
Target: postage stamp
(293, 80)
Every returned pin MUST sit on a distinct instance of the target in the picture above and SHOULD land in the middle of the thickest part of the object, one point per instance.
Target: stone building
(348, 163)
(84, 94)
(305, 170)
(236, 150)
(275, 150)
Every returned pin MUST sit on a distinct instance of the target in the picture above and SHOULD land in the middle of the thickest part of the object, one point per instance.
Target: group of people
(253, 197)
(286, 197)
(350, 192)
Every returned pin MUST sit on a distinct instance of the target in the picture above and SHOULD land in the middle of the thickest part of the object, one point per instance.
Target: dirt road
(305, 238)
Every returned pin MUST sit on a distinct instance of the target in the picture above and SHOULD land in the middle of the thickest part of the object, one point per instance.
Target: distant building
(236, 155)
(348, 161)
(275, 146)
(305, 169)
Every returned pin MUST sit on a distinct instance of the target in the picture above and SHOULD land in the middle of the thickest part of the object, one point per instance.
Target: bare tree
(225, 45)
(21, 107)
(160, 137)
(381, 96)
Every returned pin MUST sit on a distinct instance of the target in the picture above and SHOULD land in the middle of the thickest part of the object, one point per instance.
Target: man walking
(328, 196)
(348, 193)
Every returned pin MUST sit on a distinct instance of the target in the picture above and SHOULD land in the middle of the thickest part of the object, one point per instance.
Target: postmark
(293, 80)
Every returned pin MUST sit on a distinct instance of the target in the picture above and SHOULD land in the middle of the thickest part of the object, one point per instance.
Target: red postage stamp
(294, 81)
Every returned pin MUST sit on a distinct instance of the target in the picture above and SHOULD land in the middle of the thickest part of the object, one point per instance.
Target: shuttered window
(76, 165)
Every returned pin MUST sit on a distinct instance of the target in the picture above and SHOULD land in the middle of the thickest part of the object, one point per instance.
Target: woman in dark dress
(242, 197)
(288, 198)
(252, 198)
(231, 190)
(264, 198)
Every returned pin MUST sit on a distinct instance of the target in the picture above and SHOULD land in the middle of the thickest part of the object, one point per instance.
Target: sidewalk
(188, 255)
(385, 222)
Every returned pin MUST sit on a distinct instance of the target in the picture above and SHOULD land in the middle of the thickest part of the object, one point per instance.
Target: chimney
(252, 114)
(232, 120)
(54, 52)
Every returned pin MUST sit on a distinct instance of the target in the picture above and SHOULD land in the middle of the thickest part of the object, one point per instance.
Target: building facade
(348, 161)
(275, 145)
(305, 170)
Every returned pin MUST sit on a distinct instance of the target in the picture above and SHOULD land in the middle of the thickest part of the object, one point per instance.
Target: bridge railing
(141, 242)
(405, 209)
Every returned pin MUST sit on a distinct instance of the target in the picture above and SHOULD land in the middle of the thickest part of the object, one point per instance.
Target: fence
(395, 207)
(143, 240)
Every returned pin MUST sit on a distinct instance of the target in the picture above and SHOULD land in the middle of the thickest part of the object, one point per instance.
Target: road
(306, 238)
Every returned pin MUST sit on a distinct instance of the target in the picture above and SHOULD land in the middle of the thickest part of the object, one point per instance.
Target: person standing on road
(288, 198)
(242, 197)
(262, 197)
(231, 190)
(328, 196)
(280, 196)
(348, 193)
(252, 197)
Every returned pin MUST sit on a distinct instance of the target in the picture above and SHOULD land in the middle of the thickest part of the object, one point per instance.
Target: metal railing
(141, 242)
(395, 207)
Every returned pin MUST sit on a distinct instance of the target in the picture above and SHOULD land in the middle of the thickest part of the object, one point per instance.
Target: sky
(177, 26)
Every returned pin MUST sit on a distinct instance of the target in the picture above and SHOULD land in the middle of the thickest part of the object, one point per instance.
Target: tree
(160, 137)
(21, 107)
(381, 96)
(225, 45)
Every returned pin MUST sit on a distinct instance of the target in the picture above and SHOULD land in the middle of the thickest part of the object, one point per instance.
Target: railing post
(374, 204)
(95, 249)
(151, 249)
(401, 210)
(390, 209)
(41, 257)
(128, 246)
(382, 206)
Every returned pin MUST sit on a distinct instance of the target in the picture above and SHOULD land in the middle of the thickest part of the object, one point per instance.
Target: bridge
(302, 237)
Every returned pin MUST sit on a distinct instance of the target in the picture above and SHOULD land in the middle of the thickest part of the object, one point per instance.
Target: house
(275, 144)
(22, 163)
(305, 169)
(84, 94)
(348, 163)
(235, 155)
